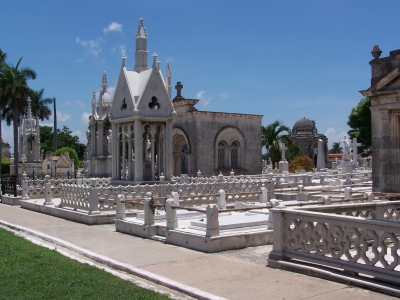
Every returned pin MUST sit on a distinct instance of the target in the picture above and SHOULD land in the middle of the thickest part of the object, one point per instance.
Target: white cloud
(82, 137)
(66, 103)
(204, 100)
(122, 48)
(80, 103)
(85, 118)
(114, 26)
(224, 96)
(92, 46)
(111, 90)
(334, 137)
(62, 117)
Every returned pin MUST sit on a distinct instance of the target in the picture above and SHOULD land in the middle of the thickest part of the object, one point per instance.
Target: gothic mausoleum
(143, 133)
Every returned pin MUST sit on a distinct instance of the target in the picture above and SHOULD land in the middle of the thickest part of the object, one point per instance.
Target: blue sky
(282, 59)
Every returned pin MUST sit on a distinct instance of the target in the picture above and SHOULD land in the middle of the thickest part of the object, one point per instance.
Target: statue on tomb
(346, 151)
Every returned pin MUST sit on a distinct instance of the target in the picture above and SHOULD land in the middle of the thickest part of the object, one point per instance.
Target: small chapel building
(143, 133)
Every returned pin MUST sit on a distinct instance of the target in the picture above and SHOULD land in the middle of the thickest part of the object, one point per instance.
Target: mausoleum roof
(303, 123)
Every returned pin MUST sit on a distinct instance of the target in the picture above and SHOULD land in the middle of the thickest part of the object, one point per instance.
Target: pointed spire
(141, 33)
(141, 49)
(93, 99)
(104, 84)
(29, 108)
(168, 80)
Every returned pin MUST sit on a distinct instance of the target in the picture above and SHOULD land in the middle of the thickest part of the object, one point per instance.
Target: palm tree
(336, 148)
(3, 56)
(272, 134)
(13, 93)
(40, 107)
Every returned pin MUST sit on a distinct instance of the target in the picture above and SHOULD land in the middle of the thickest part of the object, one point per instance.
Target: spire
(104, 84)
(168, 80)
(141, 48)
(29, 109)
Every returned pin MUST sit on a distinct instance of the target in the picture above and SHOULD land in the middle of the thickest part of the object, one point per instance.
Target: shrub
(72, 155)
(5, 165)
(301, 163)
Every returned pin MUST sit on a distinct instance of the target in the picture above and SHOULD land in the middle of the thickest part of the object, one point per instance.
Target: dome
(106, 98)
(304, 124)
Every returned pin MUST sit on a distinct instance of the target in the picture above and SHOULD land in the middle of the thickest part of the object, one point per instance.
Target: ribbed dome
(303, 124)
(106, 98)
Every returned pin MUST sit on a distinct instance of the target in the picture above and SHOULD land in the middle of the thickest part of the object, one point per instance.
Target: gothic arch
(181, 151)
(229, 148)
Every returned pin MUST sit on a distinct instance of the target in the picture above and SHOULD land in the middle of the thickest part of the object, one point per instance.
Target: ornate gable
(123, 103)
(154, 100)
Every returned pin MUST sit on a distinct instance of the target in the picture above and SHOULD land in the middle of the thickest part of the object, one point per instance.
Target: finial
(141, 33)
(123, 61)
(158, 64)
(154, 59)
(376, 52)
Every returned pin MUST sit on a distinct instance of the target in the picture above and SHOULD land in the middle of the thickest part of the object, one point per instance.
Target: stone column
(93, 198)
(172, 221)
(47, 191)
(93, 138)
(100, 131)
(212, 226)
(129, 153)
(118, 157)
(168, 151)
(152, 159)
(138, 151)
(113, 152)
(123, 154)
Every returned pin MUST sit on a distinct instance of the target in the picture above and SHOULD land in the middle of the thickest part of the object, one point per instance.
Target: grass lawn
(28, 271)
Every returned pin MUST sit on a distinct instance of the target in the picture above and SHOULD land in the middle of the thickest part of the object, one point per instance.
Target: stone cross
(283, 151)
(179, 87)
(354, 144)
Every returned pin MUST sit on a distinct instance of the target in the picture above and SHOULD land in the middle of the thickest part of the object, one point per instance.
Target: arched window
(234, 156)
(221, 155)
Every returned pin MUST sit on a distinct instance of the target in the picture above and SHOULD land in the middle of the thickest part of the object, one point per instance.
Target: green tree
(336, 148)
(40, 106)
(360, 124)
(3, 57)
(13, 91)
(64, 139)
(272, 135)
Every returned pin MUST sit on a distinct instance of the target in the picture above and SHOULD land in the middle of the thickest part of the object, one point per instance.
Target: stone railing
(75, 196)
(352, 243)
(36, 187)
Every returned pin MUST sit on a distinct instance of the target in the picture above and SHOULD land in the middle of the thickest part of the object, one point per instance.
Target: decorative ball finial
(376, 52)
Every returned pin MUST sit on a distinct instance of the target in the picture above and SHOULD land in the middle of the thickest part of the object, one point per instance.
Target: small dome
(106, 98)
(303, 124)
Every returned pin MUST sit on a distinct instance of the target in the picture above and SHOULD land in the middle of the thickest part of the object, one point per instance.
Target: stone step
(157, 238)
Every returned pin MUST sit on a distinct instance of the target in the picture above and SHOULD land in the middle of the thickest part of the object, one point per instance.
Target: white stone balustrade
(353, 242)
(47, 191)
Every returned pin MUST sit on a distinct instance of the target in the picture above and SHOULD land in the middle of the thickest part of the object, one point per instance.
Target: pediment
(154, 101)
(390, 82)
(392, 86)
(123, 103)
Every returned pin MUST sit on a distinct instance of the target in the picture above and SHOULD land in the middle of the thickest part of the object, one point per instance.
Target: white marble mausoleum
(142, 133)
